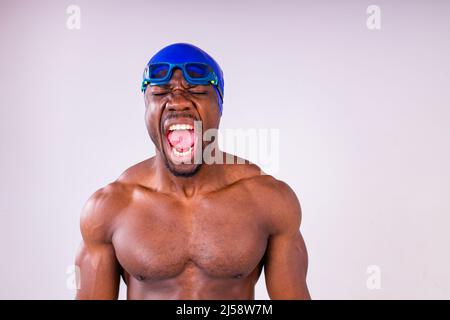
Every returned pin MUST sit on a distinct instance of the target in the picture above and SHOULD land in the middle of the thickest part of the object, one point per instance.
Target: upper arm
(99, 270)
(286, 258)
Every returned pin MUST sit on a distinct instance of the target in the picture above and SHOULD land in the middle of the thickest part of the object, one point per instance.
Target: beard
(177, 172)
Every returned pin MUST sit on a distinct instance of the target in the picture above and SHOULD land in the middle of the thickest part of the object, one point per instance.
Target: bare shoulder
(139, 174)
(255, 178)
(285, 212)
(100, 211)
(279, 203)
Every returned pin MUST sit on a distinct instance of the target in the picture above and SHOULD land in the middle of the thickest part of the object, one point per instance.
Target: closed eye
(160, 90)
(159, 93)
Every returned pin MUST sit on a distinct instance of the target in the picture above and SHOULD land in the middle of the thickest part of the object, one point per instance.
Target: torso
(211, 245)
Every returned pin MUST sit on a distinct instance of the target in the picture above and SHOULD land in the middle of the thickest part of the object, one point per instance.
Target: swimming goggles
(194, 72)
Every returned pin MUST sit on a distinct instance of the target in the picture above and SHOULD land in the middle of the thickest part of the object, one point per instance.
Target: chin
(182, 170)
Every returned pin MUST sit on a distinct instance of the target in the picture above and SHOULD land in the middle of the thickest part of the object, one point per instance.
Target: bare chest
(157, 239)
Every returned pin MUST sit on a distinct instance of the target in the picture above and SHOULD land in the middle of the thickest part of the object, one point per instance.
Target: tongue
(181, 139)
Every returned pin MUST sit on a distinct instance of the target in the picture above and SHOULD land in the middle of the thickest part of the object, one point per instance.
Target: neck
(207, 178)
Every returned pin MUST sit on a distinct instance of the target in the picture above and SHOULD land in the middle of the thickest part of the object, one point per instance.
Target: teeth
(182, 154)
(181, 127)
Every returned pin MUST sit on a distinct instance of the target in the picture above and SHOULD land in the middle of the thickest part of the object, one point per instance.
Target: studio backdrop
(347, 101)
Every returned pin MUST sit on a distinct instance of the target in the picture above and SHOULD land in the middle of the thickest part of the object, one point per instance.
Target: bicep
(286, 258)
(286, 267)
(99, 272)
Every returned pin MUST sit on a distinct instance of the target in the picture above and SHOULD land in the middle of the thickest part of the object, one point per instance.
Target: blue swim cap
(185, 52)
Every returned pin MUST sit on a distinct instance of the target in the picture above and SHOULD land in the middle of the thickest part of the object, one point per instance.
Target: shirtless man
(174, 228)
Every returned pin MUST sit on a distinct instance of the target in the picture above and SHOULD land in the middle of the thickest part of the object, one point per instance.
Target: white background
(363, 118)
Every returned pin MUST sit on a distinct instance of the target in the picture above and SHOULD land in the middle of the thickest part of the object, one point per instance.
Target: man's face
(171, 111)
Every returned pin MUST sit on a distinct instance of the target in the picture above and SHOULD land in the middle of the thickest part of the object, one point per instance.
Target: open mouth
(181, 140)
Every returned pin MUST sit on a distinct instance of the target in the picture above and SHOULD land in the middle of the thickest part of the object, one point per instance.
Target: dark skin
(203, 235)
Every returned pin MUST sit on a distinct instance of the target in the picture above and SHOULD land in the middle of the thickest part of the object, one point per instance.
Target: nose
(178, 100)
